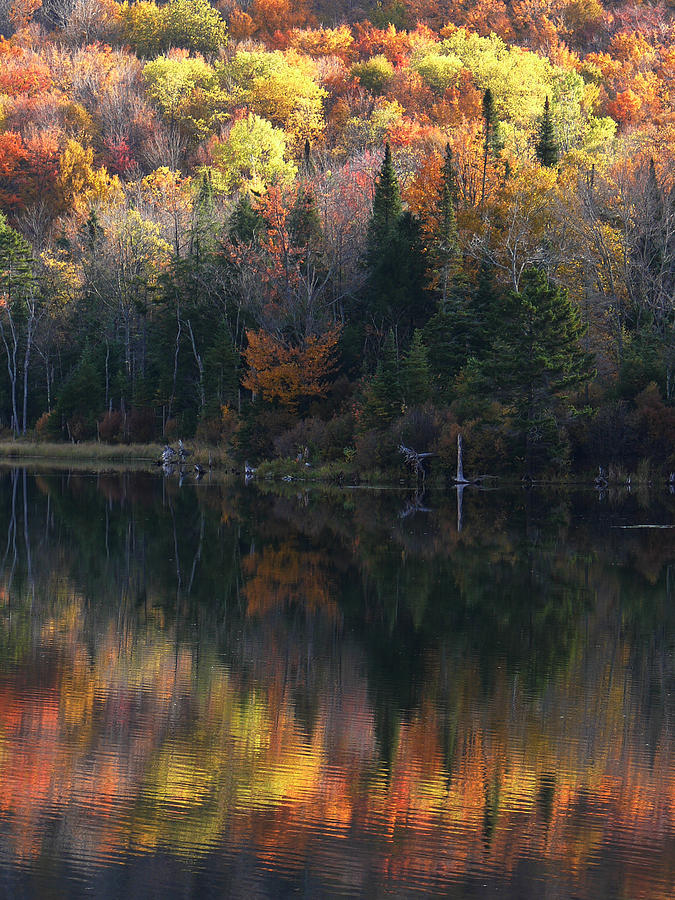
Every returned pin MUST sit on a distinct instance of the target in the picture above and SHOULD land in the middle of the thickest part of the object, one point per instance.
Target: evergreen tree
(204, 223)
(307, 169)
(305, 222)
(449, 177)
(395, 255)
(534, 363)
(245, 221)
(387, 208)
(416, 374)
(491, 140)
(446, 240)
(383, 398)
(463, 329)
(547, 147)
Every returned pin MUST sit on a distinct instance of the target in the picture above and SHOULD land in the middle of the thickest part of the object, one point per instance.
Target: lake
(219, 690)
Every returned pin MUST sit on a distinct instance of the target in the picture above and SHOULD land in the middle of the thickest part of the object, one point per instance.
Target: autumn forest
(320, 229)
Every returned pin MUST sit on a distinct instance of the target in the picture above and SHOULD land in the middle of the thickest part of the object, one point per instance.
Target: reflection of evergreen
(514, 588)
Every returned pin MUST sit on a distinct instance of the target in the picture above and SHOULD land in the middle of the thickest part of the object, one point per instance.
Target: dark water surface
(218, 691)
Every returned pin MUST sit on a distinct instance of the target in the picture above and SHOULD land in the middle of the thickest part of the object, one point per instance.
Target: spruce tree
(416, 374)
(204, 223)
(446, 240)
(463, 329)
(395, 255)
(383, 399)
(245, 221)
(491, 143)
(307, 168)
(547, 147)
(305, 222)
(534, 363)
(387, 207)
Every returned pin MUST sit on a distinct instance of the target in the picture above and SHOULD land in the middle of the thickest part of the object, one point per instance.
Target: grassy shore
(94, 452)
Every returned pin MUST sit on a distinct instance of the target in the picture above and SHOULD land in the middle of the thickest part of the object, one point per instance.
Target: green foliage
(195, 25)
(439, 71)
(547, 147)
(416, 374)
(491, 124)
(463, 328)
(186, 91)
(374, 74)
(305, 221)
(245, 221)
(387, 207)
(393, 13)
(533, 365)
(16, 266)
(191, 24)
(383, 396)
(254, 154)
(268, 85)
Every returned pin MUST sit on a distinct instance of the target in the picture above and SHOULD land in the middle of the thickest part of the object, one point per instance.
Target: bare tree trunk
(460, 462)
(26, 365)
(200, 366)
(11, 365)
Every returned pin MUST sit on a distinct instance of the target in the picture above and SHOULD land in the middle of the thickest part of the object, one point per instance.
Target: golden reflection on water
(140, 748)
(138, 740)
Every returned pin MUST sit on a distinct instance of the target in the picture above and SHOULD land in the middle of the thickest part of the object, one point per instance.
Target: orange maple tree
(286, 373)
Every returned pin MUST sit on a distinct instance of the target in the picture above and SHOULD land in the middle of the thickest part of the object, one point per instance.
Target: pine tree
(446, 240)
(395, 255)
(491, 135)
(547, 146)
(535, 362)
(305, 222)
(245, 221)
(387, 207)
(383, 399)
(416, 374)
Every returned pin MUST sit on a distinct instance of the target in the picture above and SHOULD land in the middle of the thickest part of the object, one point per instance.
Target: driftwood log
(415, 460)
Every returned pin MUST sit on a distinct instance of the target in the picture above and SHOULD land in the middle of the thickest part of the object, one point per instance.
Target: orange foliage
(289, 374)
(421, 194)
(625, 107)
(280, 578)
(389, 42)
(271, 16)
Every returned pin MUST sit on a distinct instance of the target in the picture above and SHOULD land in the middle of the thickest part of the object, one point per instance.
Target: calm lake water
(221, 691)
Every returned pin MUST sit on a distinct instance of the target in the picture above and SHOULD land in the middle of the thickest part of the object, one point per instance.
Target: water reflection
(222, 692)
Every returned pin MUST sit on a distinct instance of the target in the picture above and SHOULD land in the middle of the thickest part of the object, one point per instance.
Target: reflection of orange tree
(278, 578)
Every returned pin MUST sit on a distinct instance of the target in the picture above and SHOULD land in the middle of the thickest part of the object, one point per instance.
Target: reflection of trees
(171, 682)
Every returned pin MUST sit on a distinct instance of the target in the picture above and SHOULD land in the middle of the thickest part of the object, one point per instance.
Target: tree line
(337, 238)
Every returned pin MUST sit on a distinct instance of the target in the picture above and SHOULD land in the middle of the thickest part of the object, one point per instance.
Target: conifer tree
(387, 207)
(305, 222)
(463, 329)
(204, 224)
(383, 400)
(491, 143)
(396, 284)
(416, 374)
(547, 147)
(307, 163)
(446, 239)
(535, 362)
(245, 222)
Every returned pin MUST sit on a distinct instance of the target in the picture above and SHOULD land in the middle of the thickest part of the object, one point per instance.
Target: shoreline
(280, 471)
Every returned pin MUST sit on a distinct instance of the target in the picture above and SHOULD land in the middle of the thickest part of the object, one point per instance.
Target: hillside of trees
(322, 229)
